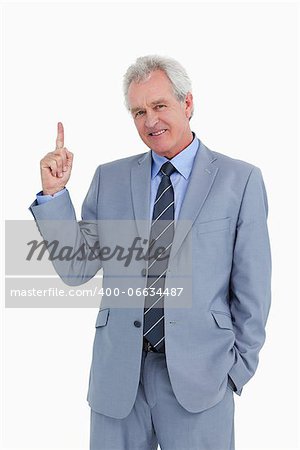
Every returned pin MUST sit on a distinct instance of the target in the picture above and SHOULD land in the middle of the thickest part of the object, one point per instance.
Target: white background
(65, 62)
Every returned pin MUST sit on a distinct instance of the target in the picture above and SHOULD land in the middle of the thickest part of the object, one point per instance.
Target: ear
(188, 105)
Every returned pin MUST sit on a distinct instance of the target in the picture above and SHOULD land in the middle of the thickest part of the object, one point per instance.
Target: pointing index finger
(60, 136)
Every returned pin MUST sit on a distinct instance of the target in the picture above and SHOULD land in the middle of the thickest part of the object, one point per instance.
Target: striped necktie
(161, 239)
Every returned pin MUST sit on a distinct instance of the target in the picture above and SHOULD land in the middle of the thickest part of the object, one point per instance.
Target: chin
(161, 148)
(160, 151)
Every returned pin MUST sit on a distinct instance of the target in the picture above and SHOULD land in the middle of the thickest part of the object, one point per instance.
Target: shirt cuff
(40, 198)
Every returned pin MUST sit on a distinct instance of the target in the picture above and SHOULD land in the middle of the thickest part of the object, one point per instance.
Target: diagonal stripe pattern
(160, 243)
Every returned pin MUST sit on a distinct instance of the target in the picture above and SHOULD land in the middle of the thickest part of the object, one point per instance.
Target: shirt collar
(183, 161)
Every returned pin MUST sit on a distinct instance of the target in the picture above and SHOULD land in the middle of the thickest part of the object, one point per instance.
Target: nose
(151, 119)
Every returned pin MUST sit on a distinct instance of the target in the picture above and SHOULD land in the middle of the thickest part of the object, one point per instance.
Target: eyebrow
(156, 102)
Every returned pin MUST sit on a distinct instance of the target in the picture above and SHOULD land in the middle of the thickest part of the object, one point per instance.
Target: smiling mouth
(157, 133)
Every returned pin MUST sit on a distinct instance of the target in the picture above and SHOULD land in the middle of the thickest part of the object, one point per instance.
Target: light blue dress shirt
(40, 198)
(183, 162)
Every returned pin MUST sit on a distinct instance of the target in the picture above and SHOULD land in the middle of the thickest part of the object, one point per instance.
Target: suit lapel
(201, 180)
(140, 190)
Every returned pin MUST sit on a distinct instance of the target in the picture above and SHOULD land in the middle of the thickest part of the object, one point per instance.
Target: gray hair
(144, 65)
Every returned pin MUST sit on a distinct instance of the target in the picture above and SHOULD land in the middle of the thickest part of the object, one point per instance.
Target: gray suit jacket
(220, 253)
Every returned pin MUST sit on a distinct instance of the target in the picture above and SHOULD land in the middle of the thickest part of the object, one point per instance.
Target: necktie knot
(167, 168)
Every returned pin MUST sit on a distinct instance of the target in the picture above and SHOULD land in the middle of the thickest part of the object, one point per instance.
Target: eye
(139, 113)
(160, 106)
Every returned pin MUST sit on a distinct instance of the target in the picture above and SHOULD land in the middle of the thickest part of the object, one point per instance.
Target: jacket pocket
(102, 317)
(222, 319)
(213, 225)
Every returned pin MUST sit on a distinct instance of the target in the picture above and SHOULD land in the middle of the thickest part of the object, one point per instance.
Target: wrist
(51, 191)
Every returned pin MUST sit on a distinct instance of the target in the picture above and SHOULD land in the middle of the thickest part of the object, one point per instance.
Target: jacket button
(143, 272)
(137, 323)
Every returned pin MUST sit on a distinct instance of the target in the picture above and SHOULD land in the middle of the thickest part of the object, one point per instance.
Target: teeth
(158, 133)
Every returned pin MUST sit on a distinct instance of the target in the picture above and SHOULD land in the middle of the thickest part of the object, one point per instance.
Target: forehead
(156, 86)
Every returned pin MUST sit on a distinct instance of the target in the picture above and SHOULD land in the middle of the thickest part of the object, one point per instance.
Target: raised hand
(56, 166)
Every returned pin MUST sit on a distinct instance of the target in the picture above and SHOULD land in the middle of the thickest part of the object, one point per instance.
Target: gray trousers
(158, 418)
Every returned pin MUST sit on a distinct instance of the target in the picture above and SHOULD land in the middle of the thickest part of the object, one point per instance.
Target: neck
(187, 141)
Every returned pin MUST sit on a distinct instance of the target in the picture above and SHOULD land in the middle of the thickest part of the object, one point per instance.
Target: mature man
(165, 366)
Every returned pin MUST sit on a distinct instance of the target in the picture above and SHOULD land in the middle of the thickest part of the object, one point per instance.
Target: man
(165, 367)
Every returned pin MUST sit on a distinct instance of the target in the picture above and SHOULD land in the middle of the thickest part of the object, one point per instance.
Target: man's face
(161, 120)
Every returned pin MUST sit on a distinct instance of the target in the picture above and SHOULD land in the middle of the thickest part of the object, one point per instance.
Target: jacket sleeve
(250, 284)
(73, 245)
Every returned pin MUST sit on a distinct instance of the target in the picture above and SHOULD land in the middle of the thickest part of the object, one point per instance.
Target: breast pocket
(212, 248)
(213, 226)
